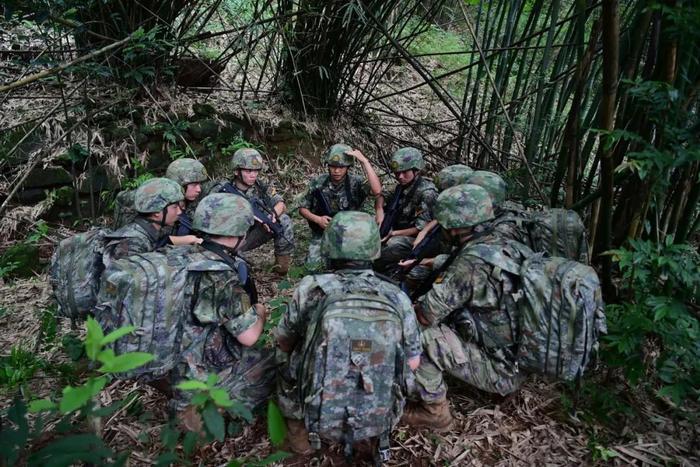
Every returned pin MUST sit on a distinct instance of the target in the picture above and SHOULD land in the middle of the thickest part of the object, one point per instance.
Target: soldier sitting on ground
(412, 204)
(338, 191)
(225, 321)
(189, 174)
(272, 220)
(349, 334)
(469, 328)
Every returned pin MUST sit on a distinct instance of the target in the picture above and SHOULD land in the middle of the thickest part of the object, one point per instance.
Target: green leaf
(93, 338)
(211, 380)
(214, 422)
(241, 410)
(126, 362)
(220, 397)
(199, 399)
(276, 426)
(192, 385)
(41, 405)
(114, 335)
(190, 442)
(75, 398)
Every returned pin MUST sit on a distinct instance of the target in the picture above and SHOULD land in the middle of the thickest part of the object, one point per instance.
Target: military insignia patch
(361, 345)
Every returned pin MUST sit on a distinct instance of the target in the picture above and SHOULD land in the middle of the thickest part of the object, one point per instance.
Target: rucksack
(351, 376)
(560, 315)
(124, 212)
(556, 232)
(151, 291)
(76, 267)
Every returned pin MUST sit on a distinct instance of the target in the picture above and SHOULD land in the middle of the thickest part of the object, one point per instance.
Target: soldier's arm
(427, 201)
(251, 335)
(452, 290)
(289, 329)
(375, 185)
(412, 344)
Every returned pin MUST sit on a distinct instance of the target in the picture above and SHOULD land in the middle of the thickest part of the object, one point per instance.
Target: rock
(50, 176)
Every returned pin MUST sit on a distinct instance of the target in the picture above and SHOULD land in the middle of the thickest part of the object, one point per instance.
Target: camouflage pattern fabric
(351, 235)
(308, 297)
(156, 194)
(141, 236)
(124, 212)
(560, 317)
(247, 158)
(452, 175)
(492, 183)
(407, 159)
(185, 171)
(221, 310)
(475, 298)
(223, 214)
(463, 206)
(74, 275)
(335, 156)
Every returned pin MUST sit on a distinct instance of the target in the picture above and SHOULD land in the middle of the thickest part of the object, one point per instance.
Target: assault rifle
(420, 252)
(391, 213)
(324, 208)
(260, 211)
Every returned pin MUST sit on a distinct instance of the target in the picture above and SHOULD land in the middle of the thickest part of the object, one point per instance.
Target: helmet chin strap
(164, 212)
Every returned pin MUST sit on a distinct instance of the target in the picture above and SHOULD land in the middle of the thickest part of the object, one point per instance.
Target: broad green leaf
(220, 397)
(41, 405)
(190, 442)
(114, 335)
(126, 362)
(192, 385)
(93, 338)
(199, 399)
(241, 410)
(75, 398)
(212, 379)
(276, 426)
(214, 421)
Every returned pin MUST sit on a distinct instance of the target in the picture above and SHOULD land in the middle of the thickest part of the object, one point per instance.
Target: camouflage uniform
(351, 236)
(348, 195)
(472, 335)
(416, 211)
(141, 236)
(248, 158)
(186, 171)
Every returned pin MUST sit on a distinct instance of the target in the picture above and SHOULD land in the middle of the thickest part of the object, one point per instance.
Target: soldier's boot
(282, 264)
(298, 437)
(435, 416)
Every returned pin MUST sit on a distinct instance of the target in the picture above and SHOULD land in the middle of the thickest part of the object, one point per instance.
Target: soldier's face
(171, 213)
(192, 191)
(337, 173)
(248, 176)
(405, 176)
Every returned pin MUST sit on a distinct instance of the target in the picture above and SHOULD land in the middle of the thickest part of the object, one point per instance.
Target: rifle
(260, 211)
(324, 207)
(390, 213)
(420, 252)
(184, 225)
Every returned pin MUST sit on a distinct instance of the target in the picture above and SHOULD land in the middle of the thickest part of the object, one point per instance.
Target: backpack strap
(240, 266)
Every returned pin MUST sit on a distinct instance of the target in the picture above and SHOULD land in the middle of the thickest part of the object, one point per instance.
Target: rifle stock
(260, 211)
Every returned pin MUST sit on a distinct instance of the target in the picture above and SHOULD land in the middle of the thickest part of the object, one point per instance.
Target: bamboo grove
(585, 104)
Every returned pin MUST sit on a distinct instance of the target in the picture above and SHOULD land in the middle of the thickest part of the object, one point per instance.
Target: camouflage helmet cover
(335, 156)
(463, 206)
(491, 182)
(406, 159)
(185, 171)
(223, 214)
(351, 235)
(247, 158)
(452, 175)
(156, 194)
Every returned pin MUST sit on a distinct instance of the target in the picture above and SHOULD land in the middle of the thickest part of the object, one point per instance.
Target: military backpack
(352, 370)
(76, 267)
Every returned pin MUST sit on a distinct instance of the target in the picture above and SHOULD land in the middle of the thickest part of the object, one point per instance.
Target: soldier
(157, 202)
(338, 191)
(350, 242)
(272, 220)
(412, 204)
(469, 330)
(225, 321)
(189, 174)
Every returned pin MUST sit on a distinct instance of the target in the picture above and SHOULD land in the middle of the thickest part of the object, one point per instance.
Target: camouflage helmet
(452, 175)
(351, 235)
(463, 206)
(406, 159)
(156, 194)
(247, 158)
(223, 214)
(335, 156)
(185, 171)
(492, 183)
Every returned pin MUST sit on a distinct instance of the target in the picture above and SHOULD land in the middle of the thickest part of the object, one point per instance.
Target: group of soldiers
(350, 250)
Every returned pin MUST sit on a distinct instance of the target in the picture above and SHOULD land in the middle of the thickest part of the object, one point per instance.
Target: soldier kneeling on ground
(352, 341)
(190, 174)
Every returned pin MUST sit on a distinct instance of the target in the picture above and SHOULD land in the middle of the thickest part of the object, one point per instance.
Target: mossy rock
(22, 259)
(49, 176)
(207, 128)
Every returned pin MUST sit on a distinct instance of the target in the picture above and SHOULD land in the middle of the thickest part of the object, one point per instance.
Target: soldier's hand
(405, 263)
(323, 221)
(357, 154)
(261, 310)
(419, 238)
(185, 240)
(388, 236)
(265, 226)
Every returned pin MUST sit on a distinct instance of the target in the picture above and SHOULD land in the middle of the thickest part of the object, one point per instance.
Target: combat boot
(282, 264)
(297, 437)
(435, 416)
